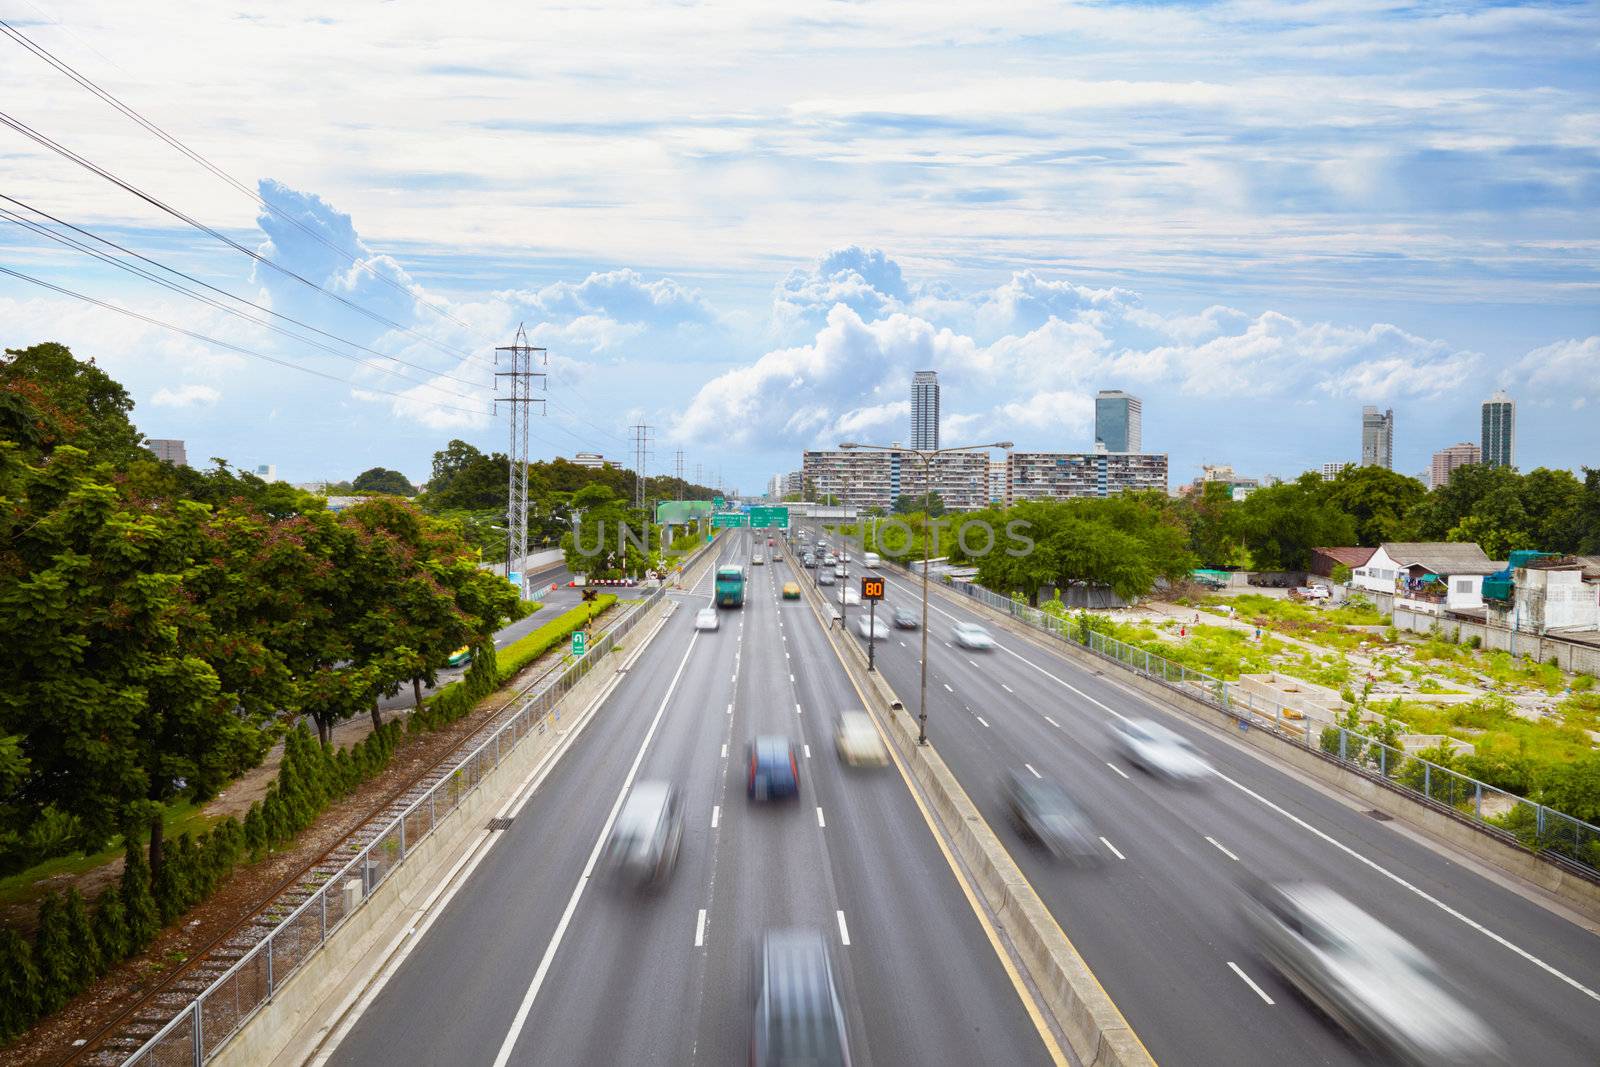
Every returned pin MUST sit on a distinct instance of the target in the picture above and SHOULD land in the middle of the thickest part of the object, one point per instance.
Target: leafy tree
(463, 477)
(931, 504)
(87, 964)
(52, 949)
(138, 901)
(383, 480)
(1378, 499)
(1586, 524)
(593, 547)
(1211, 518)
(1281, 524)
(19, 985)
(50, 398)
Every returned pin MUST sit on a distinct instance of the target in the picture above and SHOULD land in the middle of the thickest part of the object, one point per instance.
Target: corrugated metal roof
(1442, 557)
(1351, 556)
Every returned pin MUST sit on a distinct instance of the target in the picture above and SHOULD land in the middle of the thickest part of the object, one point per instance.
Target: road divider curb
(1094, 1027)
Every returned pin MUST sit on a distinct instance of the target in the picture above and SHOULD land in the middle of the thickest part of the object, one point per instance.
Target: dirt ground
(53, 1041)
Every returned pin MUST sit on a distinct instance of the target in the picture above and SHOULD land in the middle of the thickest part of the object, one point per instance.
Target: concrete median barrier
(1092, 1024)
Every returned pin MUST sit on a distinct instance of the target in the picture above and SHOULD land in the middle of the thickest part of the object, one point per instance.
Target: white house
(1430, 577)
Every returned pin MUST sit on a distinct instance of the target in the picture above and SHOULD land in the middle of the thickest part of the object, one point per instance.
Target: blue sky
(748, 228)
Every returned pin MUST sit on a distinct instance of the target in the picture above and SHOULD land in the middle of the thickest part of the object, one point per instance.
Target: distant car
(1044, 814)
(706, 619)
(774, 773)
(858, 741)
(875, 629)
(644, 841)
(769, 542)
(791, 590)
(757, 559)
(1157, 750)
(871, 560)
(840, 570)
(809, 561)
(905, 620)
(971, 635)
(798, 1017)
(1364, 976)
(825, 578)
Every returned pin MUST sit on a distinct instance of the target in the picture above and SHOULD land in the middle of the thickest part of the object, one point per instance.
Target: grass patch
(182, 817)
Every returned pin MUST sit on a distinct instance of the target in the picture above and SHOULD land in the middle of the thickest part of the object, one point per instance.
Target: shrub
(1474, 642)
(19, 985)
(86, 961)
(138, 902)
(110, 928)
(52, 949)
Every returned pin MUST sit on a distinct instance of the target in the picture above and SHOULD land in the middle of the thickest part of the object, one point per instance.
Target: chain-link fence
(1534, 825)
(219, 1010)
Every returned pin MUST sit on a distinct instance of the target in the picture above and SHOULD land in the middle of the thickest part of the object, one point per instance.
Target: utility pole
(520, 355)
(641, 455)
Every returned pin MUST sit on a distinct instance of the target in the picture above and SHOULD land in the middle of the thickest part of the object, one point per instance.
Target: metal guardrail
(1532, 824)
(227, 1004)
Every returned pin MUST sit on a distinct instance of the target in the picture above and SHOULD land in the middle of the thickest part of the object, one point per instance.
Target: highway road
(531, 961)
(1157, 920)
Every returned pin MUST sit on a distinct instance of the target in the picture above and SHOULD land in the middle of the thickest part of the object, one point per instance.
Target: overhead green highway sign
(727, 519)
(769, 517)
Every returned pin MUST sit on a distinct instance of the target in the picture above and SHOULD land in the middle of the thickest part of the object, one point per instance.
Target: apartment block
(1057, 475)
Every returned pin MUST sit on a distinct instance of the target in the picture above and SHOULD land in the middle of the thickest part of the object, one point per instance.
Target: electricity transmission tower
(641, 456)
(520, 356)
(677, 468)
(697, 477)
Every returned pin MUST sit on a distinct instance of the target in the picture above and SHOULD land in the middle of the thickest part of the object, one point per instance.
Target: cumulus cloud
(864, 280)
(1567, 371)
(620, 295)
(186, 396)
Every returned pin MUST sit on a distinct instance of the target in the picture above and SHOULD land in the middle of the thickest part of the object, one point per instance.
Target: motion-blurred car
(1044, 814)
(798, 1017)
(791, 590)
(643, 847)
(1153, 748)
(774, 772)
(757, 559)
(857, 740)
(1364, 976)
(875, 629)
(905, 620)
(706, 619)
(971, 635)
(826, 578)
(852, 595)
(840, 571)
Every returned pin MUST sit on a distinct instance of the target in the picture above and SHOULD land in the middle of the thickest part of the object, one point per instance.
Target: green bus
(730, 586)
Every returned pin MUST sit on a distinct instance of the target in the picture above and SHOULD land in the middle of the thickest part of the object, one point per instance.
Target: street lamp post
(926, 455)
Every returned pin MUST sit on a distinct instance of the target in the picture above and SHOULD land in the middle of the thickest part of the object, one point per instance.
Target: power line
(83, 80)
(140, 272)
(94, 168)
(227, 345)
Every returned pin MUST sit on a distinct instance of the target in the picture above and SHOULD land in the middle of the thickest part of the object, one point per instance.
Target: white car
(858, 741)
(1156, 749)
(875, 629)
(706, 619)
(971, 635)
(839, 571)
(852, 595)
(757, 560)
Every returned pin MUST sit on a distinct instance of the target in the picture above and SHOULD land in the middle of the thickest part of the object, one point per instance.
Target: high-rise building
(997, 481)
(267, 472)
(1118, 421)
(1377, 437)
(1500, 430)
(925, 410)
(1055, 475)
(169, 450)
(876, 479)
(1446, 460)
(1330, 471)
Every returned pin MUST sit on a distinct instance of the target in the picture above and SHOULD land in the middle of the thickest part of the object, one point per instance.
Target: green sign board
(579, 640)
(718, 503)
(721, 520)
(769, 517)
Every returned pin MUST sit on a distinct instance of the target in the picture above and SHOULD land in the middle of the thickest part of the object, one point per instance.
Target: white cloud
(1567, 370)
(186, 396)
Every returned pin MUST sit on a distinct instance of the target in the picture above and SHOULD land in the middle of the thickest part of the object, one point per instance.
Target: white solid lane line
(700, 929)
(844, 931)
(1031, 771)
(1222, 850)
(1119, 770)
(526, 1006)
(820, 820)
(1113, 849)
(716, 815)
(1247, 981)
(730, 709)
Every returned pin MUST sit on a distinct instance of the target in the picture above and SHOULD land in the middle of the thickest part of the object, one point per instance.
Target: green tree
(931, 504)
(383, 480)
(1378, 499)
(1281, 524)
(19, 985)
(50, 398)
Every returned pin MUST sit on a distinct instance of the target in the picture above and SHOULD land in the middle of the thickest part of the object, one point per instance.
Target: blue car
(774, 772)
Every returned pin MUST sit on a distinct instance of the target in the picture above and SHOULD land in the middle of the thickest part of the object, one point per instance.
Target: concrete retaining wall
(1571, 656)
